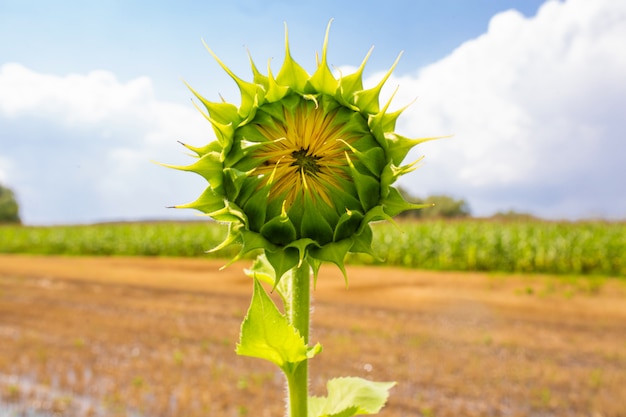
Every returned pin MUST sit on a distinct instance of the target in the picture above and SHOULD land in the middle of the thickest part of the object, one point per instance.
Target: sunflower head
(303, 165)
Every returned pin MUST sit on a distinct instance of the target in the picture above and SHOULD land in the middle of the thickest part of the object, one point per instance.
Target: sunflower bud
(303, 165)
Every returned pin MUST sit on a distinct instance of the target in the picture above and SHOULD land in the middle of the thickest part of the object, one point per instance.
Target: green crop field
(595, 248)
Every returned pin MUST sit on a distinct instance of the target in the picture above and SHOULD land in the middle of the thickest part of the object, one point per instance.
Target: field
(139, 336)
(590, 248)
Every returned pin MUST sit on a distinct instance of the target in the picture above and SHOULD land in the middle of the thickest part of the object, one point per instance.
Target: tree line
(9, 209)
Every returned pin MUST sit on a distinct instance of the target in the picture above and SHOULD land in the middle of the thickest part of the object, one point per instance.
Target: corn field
(580, 248)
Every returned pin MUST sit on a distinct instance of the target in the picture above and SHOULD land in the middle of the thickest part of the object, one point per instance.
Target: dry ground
(155, 337)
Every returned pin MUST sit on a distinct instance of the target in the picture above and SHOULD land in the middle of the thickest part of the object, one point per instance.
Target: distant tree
(439, 205)
(445, 206)
(9, 209)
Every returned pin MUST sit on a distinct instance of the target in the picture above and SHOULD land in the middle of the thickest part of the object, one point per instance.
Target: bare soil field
(155, 337)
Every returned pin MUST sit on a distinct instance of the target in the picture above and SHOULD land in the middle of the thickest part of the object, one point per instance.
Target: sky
(532, 94)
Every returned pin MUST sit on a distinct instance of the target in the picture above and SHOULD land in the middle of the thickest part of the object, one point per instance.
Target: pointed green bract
(323, 80)
(303, 164)
(352, 83)
(350, 396)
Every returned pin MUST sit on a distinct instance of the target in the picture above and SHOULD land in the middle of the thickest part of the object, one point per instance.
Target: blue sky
(91, 93)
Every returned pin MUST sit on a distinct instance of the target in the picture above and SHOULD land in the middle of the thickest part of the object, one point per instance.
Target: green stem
(298, 306)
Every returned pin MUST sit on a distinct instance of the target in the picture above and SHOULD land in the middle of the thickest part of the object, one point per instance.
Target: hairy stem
(297, 308)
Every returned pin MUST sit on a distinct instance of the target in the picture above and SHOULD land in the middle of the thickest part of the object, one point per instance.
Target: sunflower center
(306, 163)
(302, 150)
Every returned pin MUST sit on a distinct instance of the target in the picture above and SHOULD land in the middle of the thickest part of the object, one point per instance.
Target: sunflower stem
(297, 309)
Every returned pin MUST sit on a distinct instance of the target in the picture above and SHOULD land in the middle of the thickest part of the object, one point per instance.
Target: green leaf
(314, 351)
(263, 271)
(350, 396)
(267, 334)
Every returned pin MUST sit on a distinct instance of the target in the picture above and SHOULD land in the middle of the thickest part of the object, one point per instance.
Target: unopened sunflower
(303, 165)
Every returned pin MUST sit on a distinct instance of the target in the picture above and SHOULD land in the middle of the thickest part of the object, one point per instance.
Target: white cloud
(535, 104)
(73, 100)
(536, 109)
(78, 147)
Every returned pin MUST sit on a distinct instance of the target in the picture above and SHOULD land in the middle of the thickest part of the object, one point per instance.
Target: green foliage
(9, 209)
(124, 239)
(444, 206)
(479, 245)
(596, 248)
(267, 334)
(350, 396)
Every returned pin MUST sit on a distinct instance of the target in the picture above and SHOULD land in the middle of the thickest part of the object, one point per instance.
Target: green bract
(304, 164)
